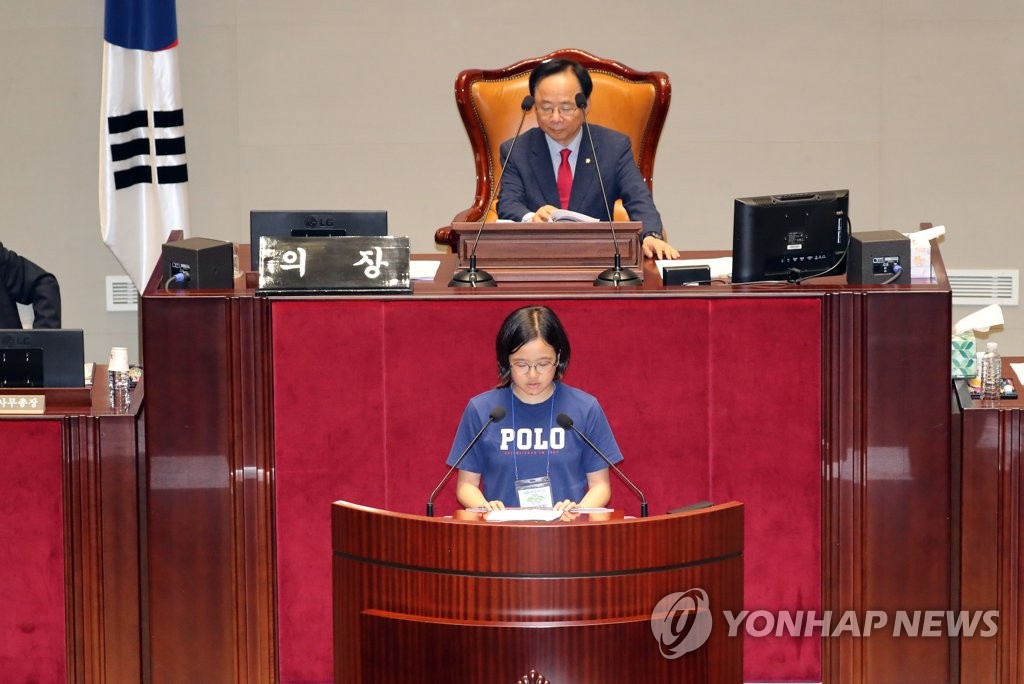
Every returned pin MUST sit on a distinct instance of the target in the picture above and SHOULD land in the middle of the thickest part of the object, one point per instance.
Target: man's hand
(659, 249)
(543, 215)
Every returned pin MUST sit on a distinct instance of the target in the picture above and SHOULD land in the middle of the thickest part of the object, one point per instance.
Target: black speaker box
(209, 264)
(684, 275)
(873, 254)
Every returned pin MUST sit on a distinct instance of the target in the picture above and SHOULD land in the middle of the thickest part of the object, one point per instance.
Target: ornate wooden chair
(634, 103)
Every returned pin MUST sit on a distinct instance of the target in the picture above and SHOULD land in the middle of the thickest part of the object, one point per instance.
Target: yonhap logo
(681, 622)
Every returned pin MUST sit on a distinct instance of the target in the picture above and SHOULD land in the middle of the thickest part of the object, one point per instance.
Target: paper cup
(118, 360)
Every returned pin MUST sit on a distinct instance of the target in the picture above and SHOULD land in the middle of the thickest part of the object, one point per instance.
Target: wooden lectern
(549, 252)
(428, 599)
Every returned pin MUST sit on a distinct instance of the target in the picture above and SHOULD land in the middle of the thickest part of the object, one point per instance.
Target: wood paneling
(990, 454)
(473, 601)
(98, 456)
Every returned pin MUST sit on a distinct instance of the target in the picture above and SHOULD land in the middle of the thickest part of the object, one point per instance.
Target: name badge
(535, 492)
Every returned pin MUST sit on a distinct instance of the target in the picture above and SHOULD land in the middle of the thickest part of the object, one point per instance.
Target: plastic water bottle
(117, 379)
(991, 372)
(118, 383)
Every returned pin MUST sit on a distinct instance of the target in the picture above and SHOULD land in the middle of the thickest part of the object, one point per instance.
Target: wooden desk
(988, 459)
(71, 535)
(792, 399)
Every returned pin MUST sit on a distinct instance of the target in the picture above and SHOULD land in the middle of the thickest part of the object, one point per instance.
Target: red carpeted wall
(33, 640)
(716, 399)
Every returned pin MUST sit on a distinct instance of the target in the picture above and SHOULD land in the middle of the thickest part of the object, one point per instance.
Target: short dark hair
(550, 67)
(525, 325)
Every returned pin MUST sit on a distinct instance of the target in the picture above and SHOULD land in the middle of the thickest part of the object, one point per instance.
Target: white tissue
(927, 234)
(979, 321)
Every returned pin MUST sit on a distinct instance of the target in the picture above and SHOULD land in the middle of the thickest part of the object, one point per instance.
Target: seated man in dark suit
(551, 165)
(23, 282)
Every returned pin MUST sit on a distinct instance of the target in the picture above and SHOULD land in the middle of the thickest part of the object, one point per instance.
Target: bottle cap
(992, 346)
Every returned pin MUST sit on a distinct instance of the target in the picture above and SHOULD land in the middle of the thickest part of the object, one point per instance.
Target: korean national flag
(143, 188)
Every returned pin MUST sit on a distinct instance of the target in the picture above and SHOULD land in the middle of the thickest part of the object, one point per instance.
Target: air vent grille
(980, 286)
(121, 294)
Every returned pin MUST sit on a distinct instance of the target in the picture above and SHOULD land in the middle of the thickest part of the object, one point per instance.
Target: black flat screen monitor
(339, 223)
(42, 358)
(790, 237)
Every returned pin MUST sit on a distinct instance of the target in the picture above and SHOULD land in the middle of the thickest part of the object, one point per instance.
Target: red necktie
(565, 179)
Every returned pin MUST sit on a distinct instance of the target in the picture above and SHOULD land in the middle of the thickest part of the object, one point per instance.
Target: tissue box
(920, 259)
(965, 355)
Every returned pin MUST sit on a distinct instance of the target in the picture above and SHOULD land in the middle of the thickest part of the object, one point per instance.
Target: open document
(533, 514)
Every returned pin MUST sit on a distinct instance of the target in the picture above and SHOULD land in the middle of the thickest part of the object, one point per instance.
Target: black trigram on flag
(132, 157)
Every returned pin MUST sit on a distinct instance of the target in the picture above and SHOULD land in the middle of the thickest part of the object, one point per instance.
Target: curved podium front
(429, 599)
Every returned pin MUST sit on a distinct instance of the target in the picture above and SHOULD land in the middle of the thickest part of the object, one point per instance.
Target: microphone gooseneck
(615, 276)
(566, 423)
(497, 414)
(472, 276)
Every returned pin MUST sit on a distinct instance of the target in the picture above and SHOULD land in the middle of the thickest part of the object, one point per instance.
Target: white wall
(914, 105)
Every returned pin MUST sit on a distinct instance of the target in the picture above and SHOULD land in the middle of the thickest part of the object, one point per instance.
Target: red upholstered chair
(532, 677)
(634, 103)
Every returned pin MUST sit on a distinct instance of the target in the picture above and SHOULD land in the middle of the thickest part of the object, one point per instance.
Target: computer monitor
(339, 223)
(790, 237)
(42, 358)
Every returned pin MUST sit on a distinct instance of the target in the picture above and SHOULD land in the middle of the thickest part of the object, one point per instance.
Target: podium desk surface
(652, 284)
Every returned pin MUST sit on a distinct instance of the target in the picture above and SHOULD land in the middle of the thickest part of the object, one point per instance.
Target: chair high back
(632, 102)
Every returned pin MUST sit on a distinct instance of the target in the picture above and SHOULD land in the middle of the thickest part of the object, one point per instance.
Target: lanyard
(551, 420)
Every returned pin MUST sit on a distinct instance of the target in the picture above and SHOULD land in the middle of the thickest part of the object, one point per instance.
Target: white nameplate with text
(22, 404)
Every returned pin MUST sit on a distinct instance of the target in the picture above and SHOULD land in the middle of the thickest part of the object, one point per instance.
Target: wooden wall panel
(990, 452)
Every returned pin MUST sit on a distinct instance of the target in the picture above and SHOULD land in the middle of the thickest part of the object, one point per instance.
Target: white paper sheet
(1018, 368)
(523, 515)
(423, 270)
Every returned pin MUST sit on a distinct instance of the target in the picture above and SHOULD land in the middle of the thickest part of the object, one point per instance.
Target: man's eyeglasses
(542, 367)
(564, 110)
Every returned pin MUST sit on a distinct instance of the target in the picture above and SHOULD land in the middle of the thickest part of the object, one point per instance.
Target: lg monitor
(339, 223)
(42, 358)
(790, 237)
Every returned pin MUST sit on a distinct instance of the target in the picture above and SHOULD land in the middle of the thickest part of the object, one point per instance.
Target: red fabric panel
(33, 640)
(764, 390)
(368, 395)
(328, 436)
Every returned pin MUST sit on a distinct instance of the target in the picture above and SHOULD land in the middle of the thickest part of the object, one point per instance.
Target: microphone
(615, 276)
(472, 276)
(566, 422)
(497, 413)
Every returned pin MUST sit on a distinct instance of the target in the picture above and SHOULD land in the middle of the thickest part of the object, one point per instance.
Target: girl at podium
(524, 456)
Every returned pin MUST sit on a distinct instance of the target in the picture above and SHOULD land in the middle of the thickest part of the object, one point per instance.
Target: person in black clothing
(23, 282)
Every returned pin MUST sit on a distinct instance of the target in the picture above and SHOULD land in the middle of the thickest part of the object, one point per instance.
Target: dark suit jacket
(529, 180)
(22, 282)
